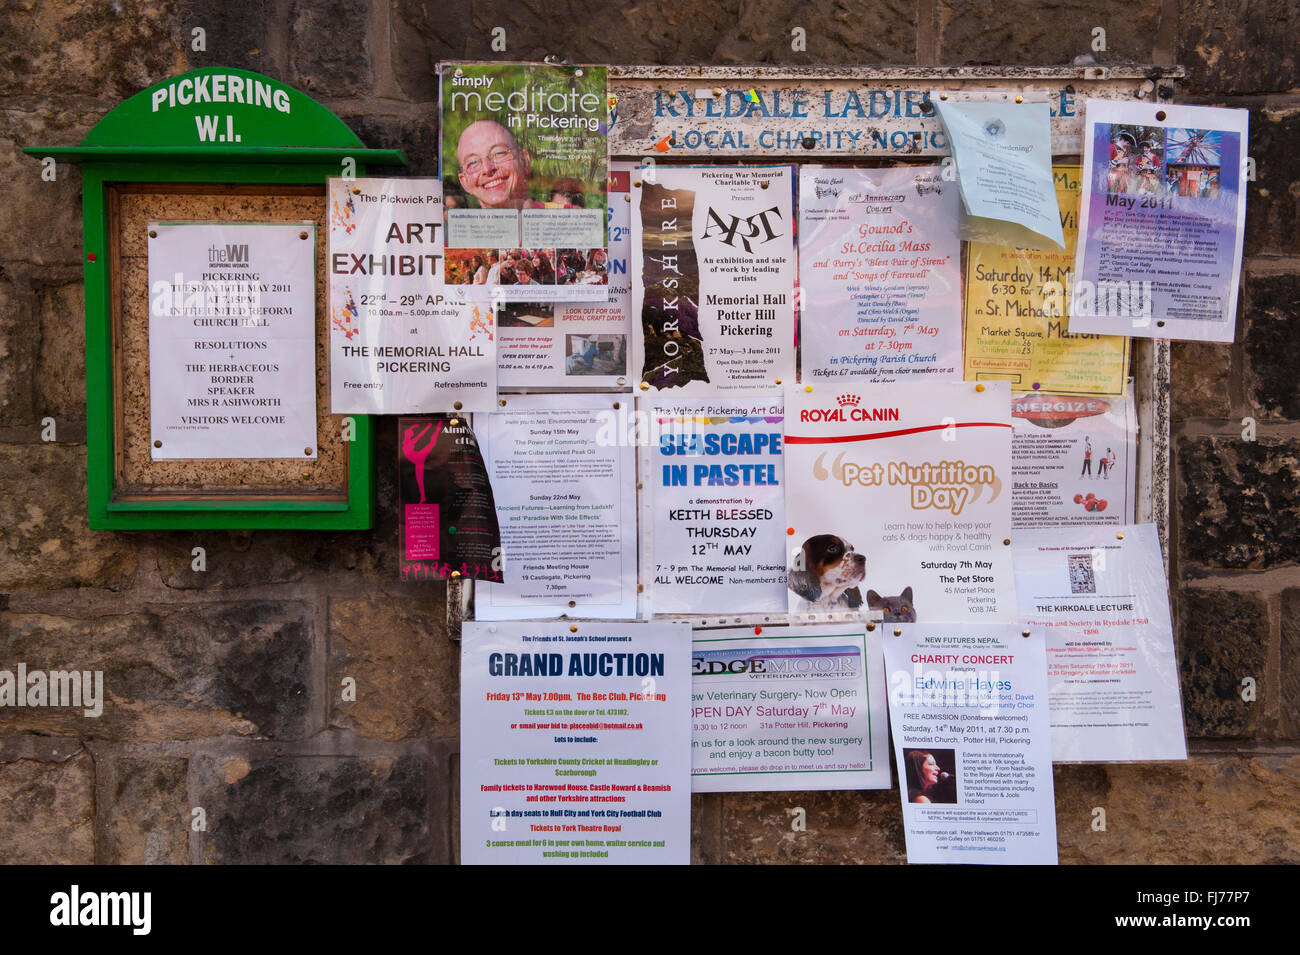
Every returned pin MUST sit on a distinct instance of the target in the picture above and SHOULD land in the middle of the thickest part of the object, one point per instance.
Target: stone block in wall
(1223, 638)
(1238, 46)
(19, 343)
(855, 828)
(1272, 345)
(1290, 675)
(47, 802)
(324, 810)
(267, 557)
(147, 813)
(61, 364)
(393, 644)
(418, 138)
(43, 523)
(173, 671)
(1028, 32)
(238, 33)
(1238, 502)
(42, 218)
(1200, 375)
(330, 52)
(1273, 198)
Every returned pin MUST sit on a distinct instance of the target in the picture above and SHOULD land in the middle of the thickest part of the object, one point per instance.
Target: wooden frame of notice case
(158, 157)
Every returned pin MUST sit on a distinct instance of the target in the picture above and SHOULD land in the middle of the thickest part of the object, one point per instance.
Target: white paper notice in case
(564, 481)
(973, 743)
(796, 708)
(232, 340)
(575, 747)
(1100, 598)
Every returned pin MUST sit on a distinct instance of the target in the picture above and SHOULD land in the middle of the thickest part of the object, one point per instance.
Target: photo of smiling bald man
(493, 167)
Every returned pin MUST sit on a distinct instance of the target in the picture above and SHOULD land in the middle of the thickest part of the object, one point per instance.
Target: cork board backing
(137, 477)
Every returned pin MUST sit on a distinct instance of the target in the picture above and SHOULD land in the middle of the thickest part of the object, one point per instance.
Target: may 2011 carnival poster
(1161, 222)
(525, 157)
(880, 273)
(400, 343)
(714, 473)
(968, 705)
(713, 289)
(576, 743)
(1016, 321)
(552, 345)
(790, 708)
(898, 497)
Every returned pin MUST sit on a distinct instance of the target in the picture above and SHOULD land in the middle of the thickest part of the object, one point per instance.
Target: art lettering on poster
(566, 503)
(880, 274)
(793, 708)
(968, 708)
(525, 164)
(447, 521)
(400, 342)
(898, 499)
(1073, 460)
(559, 345)
(1017, 327)
(575, 743)
(232, 340)
(714, 472)
(713, 296)
(1162, 221)
(1100, 597)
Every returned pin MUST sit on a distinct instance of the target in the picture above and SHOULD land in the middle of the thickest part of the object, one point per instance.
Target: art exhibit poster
(525, 166)
(575, 744)
(1161, 222)
(400, 342)
(880, 274)
(1073, 460)
(575, 345)
(714, 274)
(566, 504)
(1100, 597)
(714, 471)
(232, 340)
(1016, 315)
(898, 499)
(788, 708)
(973, 742)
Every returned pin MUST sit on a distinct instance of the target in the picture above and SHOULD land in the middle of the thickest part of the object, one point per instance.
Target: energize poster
(718, 533)
(1073, 460)
(1161, 221)
(1100, 597)
(566, 502)
(880, 272)
(525, 166)
(580, 345)
(232, 340)
(713, 293)
(399, 342)
(898, 499)
(968, 704)
(795, 708)
(575, 743)
(1016, 326)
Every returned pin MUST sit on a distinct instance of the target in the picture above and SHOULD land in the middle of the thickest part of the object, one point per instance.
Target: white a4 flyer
(714, 274)
(898, 499)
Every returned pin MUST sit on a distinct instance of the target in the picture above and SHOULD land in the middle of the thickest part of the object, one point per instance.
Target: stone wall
(223, 686)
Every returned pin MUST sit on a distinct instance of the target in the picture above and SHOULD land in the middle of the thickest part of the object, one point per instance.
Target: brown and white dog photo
(828, 575)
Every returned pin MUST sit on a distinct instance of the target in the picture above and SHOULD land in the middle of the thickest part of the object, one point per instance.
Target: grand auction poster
(525, 163)
(566, 503)
(400, 343)
(232, 340)
(788, 708)
(575, 345)
(575, 744)
(1100, 597)
(1161, 222)
(968, 705)
(1016, 315)
(898, 498)
(713, 289)
(880, 273)
(714, 469)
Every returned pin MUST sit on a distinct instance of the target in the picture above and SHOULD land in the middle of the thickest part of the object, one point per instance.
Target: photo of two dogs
(828, 576)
